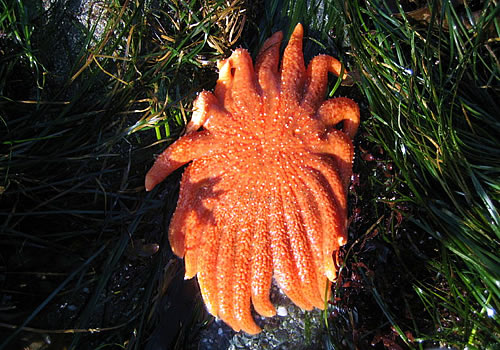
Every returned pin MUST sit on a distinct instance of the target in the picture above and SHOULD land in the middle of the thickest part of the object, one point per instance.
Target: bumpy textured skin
(265, 193)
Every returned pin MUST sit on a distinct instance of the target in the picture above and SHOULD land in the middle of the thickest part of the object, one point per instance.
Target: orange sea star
(265, 194)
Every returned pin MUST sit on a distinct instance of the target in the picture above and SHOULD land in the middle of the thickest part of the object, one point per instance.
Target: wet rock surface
(290, 328)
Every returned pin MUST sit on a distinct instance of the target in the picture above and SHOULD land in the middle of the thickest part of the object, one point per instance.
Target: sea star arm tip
(340, 109)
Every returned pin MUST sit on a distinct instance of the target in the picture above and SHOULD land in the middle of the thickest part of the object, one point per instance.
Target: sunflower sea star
(265, 194)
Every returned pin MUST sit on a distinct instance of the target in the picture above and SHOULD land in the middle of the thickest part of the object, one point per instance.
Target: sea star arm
(337, 145)
(268, 55)
(229, 279)
(227, 219)
(242, 273)
(234, 261)
(208, 113)
(194, 213)
(201, 106)
(292, 73)
(266, 69)
(308, 193)
(317, 79)
(224, 85)
(329, 191)
(177, 154)
(262, 262)
(285, 271)
(340, 109)
(207, 276)
(301, 250)
(246, 98)
(189, 147)
(216, 257)
(315, 234)
(326, 210)
(236, 87)
(184, 220)
(333, 142)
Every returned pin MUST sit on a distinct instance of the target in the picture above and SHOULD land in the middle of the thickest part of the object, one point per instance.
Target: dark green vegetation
(80, 118)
